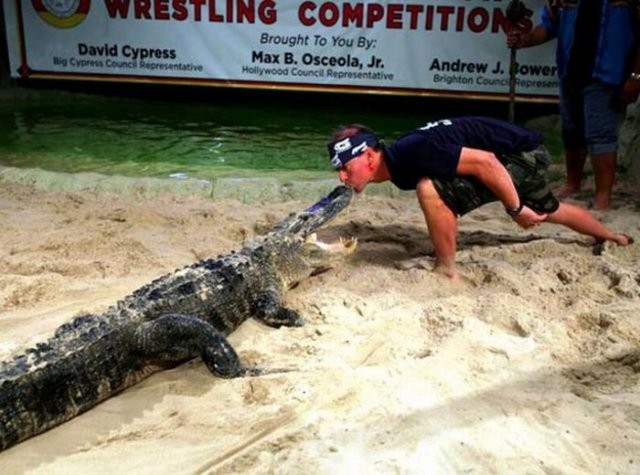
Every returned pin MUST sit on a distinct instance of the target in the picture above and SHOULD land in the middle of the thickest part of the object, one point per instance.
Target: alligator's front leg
(175, 337)
(268, 309)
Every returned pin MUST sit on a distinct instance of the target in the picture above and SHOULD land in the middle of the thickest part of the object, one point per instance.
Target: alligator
(175, 318)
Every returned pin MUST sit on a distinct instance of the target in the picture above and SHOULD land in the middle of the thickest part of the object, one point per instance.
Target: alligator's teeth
(348, 242)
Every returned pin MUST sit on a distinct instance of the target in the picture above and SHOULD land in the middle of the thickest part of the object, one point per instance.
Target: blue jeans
(590, 117)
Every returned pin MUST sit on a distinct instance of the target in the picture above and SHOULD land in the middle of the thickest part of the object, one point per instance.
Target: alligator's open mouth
(343, 246)
(322, 255)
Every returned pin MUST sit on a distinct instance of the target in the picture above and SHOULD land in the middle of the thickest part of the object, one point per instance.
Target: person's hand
(527, 218)
(630, 91)
(515, 38)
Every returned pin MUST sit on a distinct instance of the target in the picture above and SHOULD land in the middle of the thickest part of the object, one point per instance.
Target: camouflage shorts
(528, 172)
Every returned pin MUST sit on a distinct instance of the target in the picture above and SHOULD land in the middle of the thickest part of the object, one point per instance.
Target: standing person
(598, 63)
(457, 165)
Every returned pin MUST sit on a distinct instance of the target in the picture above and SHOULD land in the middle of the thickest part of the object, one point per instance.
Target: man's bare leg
(443, 228)
(604, 172)
(583, 222)
(574, 164)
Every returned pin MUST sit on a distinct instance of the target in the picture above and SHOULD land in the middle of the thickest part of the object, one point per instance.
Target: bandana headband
(344, 150)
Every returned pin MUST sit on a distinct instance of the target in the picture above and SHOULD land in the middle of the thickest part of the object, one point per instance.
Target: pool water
(71, 133)
(222, 135)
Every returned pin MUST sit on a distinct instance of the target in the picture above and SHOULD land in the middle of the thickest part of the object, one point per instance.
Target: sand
(530, 365)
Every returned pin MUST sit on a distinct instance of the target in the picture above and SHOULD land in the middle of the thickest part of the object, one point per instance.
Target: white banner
(436, 47)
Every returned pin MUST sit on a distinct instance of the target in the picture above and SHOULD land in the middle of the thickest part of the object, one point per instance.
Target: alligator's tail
(29, 407)
(55, 381)
(316, 215)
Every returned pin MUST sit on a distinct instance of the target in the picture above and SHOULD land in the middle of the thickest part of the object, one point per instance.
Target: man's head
(354, 151)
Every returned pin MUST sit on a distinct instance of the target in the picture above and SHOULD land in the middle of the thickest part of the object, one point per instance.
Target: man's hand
(515, 39)
(527, 218)
(630, 91)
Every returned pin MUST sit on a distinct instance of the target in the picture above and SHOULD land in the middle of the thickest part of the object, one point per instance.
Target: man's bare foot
(601, 203)
(567, 191)
(449, 271)
(622, 239)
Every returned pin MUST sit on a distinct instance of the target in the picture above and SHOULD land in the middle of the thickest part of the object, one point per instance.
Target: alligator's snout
(317, 215)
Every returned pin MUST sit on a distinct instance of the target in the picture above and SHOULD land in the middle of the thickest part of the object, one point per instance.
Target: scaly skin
(174, 318)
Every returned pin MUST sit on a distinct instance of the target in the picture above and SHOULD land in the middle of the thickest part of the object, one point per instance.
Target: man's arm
(486, 167)
(631, 87)
(518, 39)
(546, 30)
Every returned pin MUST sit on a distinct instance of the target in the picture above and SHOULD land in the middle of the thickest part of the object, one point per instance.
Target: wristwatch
(513, 212)
(634, 76)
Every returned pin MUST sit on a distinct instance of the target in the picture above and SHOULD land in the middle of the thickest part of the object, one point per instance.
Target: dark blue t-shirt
(434, 150)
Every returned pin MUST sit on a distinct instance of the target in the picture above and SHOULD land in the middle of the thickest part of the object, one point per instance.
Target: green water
(66, 132)
(219, 136)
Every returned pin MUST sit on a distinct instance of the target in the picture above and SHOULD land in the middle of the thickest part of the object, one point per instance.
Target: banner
(436, 47)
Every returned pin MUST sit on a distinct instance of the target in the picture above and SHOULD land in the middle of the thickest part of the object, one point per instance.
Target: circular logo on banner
(62, 13)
